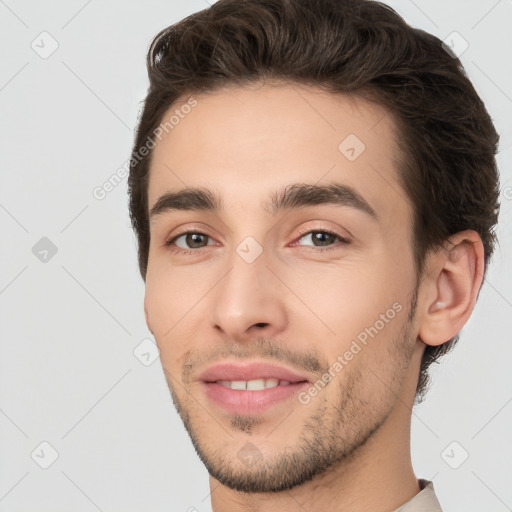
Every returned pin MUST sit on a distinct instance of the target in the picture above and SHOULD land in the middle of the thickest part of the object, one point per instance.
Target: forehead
(247, 143)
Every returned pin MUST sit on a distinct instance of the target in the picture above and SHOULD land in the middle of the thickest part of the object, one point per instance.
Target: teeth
(253, 385)
(257, 384)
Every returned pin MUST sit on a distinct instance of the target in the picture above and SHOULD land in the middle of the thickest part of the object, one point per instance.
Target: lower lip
(238, 401)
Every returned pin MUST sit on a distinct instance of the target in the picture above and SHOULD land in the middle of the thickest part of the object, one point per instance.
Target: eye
(191, 238)
(324, 238)
(195, 241)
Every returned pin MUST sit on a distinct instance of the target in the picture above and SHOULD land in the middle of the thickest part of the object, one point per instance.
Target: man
(314, 190)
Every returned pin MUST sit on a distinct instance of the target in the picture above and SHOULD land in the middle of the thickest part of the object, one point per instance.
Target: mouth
(251, 388)
(255, 384)
(253, 397)
(251, 375)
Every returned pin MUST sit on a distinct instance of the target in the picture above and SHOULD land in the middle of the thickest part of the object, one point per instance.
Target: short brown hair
(447, 139)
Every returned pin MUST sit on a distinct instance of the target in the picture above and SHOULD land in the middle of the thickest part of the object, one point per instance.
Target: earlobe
(452, 288)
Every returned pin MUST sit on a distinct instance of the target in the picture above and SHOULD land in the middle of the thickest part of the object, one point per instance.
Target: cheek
(170, 293)
(349, 298)
(162, 306)
(174, 298)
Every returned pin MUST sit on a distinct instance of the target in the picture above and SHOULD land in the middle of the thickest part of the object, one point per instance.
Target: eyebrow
(297, 195)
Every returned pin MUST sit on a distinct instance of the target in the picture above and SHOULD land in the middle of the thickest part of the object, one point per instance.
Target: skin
(349, 447)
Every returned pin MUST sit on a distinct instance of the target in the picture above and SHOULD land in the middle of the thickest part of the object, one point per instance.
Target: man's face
(259, 285)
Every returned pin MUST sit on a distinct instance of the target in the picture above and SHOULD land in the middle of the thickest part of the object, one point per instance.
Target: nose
(249, 301)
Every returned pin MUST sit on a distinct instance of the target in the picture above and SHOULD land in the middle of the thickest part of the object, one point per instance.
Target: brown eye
(323, 238)
(193, 240)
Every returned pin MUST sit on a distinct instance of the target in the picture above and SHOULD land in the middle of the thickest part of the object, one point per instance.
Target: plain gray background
(71, 321)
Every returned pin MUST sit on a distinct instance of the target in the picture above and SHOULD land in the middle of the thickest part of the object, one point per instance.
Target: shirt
(424, 501)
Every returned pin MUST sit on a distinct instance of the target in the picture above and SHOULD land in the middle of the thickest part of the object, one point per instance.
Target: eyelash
(170, 243)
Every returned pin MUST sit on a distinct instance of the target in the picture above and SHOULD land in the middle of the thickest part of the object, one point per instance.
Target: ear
(452, 287)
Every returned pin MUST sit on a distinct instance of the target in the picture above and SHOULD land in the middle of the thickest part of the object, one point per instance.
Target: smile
(253, 385)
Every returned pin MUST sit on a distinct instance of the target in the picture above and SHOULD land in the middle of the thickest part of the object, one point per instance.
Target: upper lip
(249, 371)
